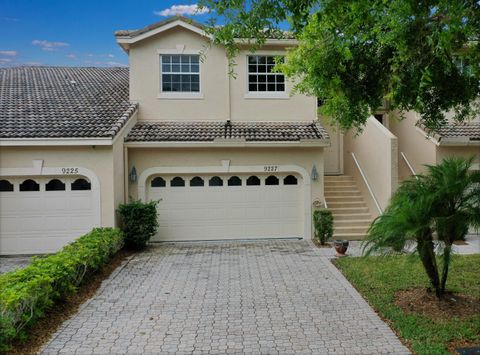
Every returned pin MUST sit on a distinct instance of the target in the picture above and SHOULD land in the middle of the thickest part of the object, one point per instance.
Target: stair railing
(365, 180)
(410, 167)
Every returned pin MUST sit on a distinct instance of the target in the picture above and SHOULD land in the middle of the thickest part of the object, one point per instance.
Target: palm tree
(444, 202)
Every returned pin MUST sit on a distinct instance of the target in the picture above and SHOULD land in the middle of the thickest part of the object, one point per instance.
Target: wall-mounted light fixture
(133, 174)
(314, 173)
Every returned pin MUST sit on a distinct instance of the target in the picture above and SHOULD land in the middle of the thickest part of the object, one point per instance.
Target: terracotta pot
(341, 247)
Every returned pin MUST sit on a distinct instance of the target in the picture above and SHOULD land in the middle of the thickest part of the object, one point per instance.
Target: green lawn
(378, 279)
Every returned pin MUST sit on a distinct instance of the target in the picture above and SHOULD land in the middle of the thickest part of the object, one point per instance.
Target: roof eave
(73, 141)
(457, 141)
(228, 143)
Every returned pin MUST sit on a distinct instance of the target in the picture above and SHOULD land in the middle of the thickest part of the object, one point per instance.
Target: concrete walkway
(271, 297)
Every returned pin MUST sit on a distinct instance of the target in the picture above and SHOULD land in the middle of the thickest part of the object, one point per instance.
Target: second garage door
(42, 214)
(217, 207)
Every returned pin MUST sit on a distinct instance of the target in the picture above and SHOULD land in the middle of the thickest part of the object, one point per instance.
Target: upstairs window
(180, 73)
(261, 76)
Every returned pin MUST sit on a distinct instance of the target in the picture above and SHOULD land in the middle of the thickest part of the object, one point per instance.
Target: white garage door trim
(39, 170)
(226, 168)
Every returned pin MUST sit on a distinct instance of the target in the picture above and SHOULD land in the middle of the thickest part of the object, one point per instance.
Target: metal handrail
(325, 202)
(364, 177)
(409, 165)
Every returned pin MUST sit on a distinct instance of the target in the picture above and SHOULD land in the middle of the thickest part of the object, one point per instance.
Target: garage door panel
(43, 221)
(229, 212)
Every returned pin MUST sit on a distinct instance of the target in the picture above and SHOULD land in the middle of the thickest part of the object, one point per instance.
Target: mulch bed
(317, 243)
(42, 331)
(421, 300)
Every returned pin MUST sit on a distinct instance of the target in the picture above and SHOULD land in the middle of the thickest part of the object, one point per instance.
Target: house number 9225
(270, 168)
(69, 170)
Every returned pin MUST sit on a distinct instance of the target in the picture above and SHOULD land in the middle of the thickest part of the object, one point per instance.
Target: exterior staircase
(351, 217)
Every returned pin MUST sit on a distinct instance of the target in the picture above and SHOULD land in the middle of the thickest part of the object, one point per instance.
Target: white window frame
(278, 95)
(180, 49)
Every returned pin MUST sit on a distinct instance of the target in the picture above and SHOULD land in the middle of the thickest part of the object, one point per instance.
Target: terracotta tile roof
(469, 130)
(209, 131)
(62, 102)
(135, 33)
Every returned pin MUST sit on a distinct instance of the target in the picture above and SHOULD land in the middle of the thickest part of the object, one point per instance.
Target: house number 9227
(69, 170)
(270, 168)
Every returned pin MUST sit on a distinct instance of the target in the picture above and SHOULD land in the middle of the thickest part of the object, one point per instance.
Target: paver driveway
(229, 297)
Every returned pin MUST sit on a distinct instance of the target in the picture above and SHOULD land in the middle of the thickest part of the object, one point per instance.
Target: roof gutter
(44, 142)
(238, 143)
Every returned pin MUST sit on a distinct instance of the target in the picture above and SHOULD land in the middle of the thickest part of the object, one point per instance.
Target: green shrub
(323, 223)
(139, 222)
(26, 294)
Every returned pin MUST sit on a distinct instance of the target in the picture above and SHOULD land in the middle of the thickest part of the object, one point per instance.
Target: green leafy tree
(445, 201)
(419, 55)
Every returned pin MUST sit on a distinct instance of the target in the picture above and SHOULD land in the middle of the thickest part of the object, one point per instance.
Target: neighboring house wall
(414, 144)
(97, 159)
(222, 96)
(376, 151)
(466, 152)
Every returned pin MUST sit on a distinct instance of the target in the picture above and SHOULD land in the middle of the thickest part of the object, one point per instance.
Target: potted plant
(341, 247)
(323, 223)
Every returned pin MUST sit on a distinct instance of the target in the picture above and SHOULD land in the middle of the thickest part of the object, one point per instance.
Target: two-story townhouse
(228, 157)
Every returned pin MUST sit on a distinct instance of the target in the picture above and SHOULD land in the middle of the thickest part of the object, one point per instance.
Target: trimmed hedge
(27, 293)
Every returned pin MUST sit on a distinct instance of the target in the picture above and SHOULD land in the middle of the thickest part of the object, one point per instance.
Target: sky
(77, 33)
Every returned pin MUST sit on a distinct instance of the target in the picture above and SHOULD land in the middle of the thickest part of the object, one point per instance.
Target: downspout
(125, 173)
(229, 96)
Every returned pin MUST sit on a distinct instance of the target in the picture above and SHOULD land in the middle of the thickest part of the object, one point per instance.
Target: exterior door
(333, 155)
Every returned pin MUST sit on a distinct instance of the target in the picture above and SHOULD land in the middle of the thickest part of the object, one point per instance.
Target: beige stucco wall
(418, 149)
(144, 158)
(465, 152)
(216, 85)
(376, 151)
(98, 159)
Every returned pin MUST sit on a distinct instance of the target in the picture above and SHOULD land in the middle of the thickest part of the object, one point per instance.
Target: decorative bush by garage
(27, 293)
(139, 222)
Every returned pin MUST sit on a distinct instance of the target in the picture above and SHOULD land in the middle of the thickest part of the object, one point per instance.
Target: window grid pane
(180, 73)
(261, 77)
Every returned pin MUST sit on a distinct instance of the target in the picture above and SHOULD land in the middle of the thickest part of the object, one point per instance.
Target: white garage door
(42, 214)
(228, 206)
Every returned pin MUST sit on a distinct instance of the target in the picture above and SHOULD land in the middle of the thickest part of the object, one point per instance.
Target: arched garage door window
(81, 185)
(55, 185)
(5, 186)
(29, 185)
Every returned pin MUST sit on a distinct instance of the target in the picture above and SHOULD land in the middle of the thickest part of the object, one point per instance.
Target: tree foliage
(445, 202)
(420, 55)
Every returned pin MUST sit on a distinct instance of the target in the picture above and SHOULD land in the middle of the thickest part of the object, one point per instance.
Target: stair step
(338, 210)
(340, 188)
(349, 236)
(337, 177)
(350, 216)
(352, 222)
(344, 199)
(350, 229)
(342, 193)
(340, 184)
(339, 204)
